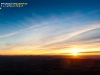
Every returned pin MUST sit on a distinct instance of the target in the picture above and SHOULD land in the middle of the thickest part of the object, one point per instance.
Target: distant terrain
(48, 65)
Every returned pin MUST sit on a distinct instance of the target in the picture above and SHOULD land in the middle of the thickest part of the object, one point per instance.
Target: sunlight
(75, 51)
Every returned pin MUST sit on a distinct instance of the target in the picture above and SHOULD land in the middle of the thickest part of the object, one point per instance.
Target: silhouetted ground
(47, 65)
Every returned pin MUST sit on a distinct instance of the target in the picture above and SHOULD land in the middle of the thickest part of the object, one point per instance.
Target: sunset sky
(50, 27)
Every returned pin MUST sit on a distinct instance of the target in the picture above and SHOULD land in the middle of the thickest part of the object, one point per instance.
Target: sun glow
(75, 51)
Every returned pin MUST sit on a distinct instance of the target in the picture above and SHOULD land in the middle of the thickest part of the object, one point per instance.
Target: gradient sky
(50, 27)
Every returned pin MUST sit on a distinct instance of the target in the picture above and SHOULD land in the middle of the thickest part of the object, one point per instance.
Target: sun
(75, 51)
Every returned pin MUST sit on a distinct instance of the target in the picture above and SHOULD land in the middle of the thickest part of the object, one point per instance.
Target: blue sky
(50, 27)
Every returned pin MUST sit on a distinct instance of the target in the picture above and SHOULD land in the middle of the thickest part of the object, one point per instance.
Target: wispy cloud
(20, 31)
(54, 43)
(92, 12)
(50, 36)
(74, 33)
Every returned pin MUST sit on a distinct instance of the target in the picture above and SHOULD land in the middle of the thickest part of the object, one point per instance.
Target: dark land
(48, 65)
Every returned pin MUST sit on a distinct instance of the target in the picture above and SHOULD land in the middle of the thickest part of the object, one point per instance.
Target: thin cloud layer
(53, 28)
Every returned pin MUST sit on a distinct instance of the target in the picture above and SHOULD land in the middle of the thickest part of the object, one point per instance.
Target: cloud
(57, 42)
(92, 12)
(20, 31)
(74, 33)
(31, 26)
(50, 37)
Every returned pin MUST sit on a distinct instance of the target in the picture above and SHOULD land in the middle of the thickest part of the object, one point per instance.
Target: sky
(50, 27)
